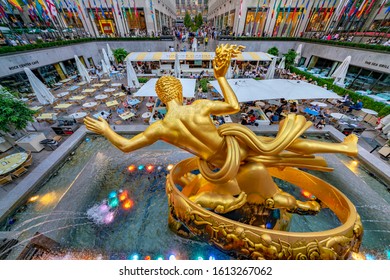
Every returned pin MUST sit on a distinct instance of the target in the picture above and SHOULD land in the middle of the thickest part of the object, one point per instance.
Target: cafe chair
(5, 180)
(19, 172)
(28, 162)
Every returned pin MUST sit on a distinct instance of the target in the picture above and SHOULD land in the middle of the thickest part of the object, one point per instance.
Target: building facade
(294, 18)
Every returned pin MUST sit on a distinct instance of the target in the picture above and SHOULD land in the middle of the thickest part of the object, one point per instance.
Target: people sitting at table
(151, 99)
(123, 88)
(281, 109)
(357, 106)
(244, 121)
(320, 124)
(274, 118)
(120, 110)
(157, 115)
(293, 108)
(316, 108)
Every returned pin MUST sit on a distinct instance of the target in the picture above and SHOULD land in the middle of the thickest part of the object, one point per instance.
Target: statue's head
(169, 88)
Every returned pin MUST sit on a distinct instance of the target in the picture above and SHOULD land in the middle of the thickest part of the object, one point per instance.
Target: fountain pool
(76, 206)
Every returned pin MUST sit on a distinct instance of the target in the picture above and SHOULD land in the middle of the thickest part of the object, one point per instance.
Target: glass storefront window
(104, 23)
(135, 20)
(319, 20)
(49, 74)
(17, 82)
(287, 22)
(71, 19)
(254, 22)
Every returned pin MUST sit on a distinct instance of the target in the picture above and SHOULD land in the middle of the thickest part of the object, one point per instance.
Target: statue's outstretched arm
(221, 65)
(100, 126)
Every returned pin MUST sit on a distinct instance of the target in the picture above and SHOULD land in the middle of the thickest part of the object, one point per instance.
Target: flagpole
(89, 18)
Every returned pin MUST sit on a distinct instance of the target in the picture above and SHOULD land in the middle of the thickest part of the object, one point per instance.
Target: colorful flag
(2, 12)
(16, 5)
(362, 8)
(135, 10)
(51, 7)
(239, 13)
(380, 9)
(273, 9)
(101, 8)
(369, 7)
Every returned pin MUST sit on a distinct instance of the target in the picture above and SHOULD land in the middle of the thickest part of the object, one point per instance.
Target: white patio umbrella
(105, 57)
(294, 90)
(148, 89)
(249, 90)
(82, 70)
(229, 73)
(299, 52)
(271, 69)
(177, 67)
(105, 68)
(341, 71)
(110, 53)
(131, 75)
(42, 93)
(282, 63)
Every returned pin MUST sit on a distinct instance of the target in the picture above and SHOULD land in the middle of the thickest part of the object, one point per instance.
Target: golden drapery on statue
(235, 175)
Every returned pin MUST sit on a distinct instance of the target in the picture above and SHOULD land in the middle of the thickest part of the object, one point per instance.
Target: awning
(148, 89)
(170, 56)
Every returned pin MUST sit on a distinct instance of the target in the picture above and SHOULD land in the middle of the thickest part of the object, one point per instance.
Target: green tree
(274, 51)
(14, 113)
(187, 20)
(120, 54)
(290, 57)
(198, 20)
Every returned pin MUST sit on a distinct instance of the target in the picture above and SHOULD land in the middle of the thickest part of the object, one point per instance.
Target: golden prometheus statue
(234, 176)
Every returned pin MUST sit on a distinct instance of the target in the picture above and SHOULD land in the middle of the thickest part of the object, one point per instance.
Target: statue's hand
(98, 126)
(221, 62)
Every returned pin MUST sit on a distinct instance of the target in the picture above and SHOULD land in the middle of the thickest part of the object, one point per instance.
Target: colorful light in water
(199, 258)
(122, 196)
(134, 257)
(169, 167)
(212, 258)
(127, 204)
(306, 194)
(140, 167)
(370, 257)
(160, 258)
(104, 208)
(87, 139)
(109, 218)
(131, 168)
(112, 194)
(114, 202)
(150, 168)
(148, 258)
(33, 198)
(388, 254)
(268, 225)
(159, 168)
(172, 257)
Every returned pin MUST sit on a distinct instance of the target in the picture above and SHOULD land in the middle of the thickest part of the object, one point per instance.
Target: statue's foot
(351, 144)
(288, 202)
(220, 203)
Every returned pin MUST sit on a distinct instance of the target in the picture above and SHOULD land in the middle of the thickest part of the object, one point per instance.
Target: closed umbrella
(110, 53)
(105, 57)
(299, 52)
(131, 75)
(282, 63)
(271, 70)
(341, 71)
(42, 93)
(82, 70)
(229, 73)
(177, 67)
(105, 68)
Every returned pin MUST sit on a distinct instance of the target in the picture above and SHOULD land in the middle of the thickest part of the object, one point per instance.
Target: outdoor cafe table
(98, 85)
(73, 88)
(311, 112)
(126, 115)
(65, 81)
(82, 84)
(339, 116)
(320, 104)
(63, 106)
(146, 115)
(133, 102)
(119, 94)
(63, 94)
(89, 90)
(369, 111)
(101, 97)
(77, 98)
(109, 90)
(36, 108)
(12, 162)
(105, 80)
(116, 85)
(78, 116)
(46, 116)
(90, 104)
(112, 103)
(104, 115)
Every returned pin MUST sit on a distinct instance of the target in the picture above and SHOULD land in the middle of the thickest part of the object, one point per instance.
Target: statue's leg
(255, 180)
